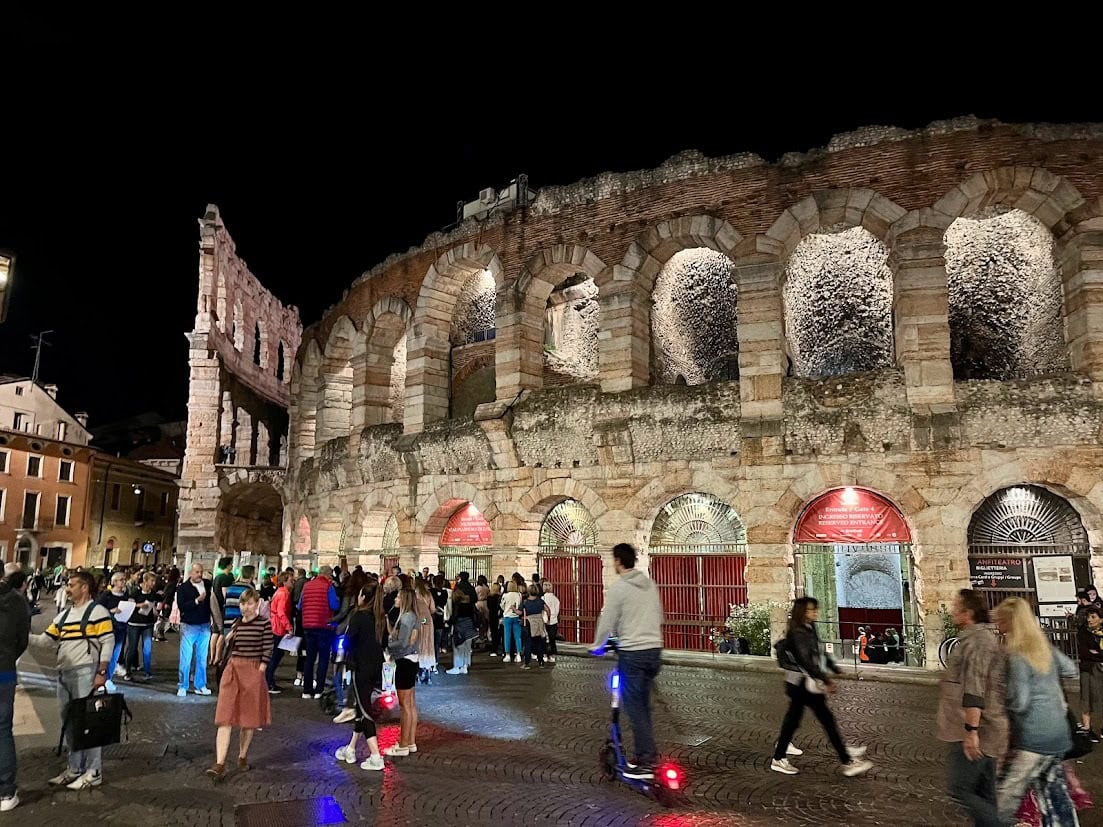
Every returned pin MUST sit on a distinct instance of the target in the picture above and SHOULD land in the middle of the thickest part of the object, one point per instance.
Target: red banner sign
(467, 527)
(852, 515)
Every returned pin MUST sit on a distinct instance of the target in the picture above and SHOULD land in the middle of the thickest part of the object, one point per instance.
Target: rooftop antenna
(39, 343)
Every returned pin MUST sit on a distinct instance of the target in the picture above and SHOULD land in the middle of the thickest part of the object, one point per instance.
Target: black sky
(323, 160)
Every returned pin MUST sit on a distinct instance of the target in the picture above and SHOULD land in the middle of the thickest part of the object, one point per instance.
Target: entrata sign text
(852, 515)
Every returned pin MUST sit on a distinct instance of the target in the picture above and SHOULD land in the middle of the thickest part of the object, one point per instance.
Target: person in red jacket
(279, 614)
(317, 605)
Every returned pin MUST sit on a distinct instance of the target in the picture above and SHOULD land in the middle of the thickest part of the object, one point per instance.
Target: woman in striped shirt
(243, 692)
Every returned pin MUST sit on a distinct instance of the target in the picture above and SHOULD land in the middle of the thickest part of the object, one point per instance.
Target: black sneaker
(274, 690)
(640, 772)
(1095, 736)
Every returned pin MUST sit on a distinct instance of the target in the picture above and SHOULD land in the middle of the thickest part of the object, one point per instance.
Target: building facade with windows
(132, 513)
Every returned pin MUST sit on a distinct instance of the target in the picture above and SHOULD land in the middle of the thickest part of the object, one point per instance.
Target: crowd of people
(1002, 707)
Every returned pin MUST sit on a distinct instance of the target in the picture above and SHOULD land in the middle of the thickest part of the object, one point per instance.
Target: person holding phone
(193, 600)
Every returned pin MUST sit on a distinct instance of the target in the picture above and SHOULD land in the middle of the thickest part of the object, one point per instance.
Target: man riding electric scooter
(633, 614)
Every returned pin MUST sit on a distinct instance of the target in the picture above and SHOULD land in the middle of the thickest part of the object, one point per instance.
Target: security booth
(569, 559)
(853, 553)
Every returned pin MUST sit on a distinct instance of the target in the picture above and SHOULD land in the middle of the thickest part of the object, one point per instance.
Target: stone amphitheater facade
(914, 313)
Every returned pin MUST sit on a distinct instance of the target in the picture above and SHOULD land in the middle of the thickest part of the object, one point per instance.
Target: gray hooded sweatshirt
(633, 614)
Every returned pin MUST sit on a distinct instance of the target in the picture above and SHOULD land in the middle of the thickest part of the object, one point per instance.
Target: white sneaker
(857, 767)
(92, 778)
(783, 766)
(346, 754)
(372, 762)
(65, 778)
(181, 693)
(551, 658)
(307, 696)
(344, 716)
(412, 748)
(203, 691)
(9, 803)
(793, 750)
(456, 670)
(463, 670)
(298, 682)
(396, 751)
(110, 686)
(856, 752)
(516, 658)
(493, 654)
(120, 670)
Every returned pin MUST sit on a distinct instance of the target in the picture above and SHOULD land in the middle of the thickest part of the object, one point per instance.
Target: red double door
(577, 581)
(697, 591)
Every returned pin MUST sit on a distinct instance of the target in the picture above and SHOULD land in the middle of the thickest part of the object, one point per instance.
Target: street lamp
(7, 272)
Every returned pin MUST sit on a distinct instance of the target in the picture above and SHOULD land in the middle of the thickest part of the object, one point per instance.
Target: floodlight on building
(850, 496)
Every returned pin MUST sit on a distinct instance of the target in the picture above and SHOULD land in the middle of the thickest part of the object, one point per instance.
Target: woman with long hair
(365, 660)
(424, 606)
(807, 684)
(482, 591)
(511, 622)
(464, 630)
(403, 648)
(1039, 717)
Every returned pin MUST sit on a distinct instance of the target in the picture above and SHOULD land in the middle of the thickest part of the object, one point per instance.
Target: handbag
(95, 720)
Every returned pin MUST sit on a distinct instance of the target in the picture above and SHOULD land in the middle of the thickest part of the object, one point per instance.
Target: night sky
(107, 159)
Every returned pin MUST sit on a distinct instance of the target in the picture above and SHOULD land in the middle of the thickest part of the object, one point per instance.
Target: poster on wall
(997, 573)
(852, 515)
(1055, 580)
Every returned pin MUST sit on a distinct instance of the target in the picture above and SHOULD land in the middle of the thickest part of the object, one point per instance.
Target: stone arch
(379, 365)
(625, 292)
(535, 504)
(519, 350)
(303, 412)
(650, 499)
(368, 521)
(442, 504)
(429, 346)
(1017, 330)
(334, 418)
(329, 530)
(847, 326)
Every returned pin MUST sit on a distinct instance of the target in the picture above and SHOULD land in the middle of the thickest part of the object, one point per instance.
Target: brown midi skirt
(243, 696)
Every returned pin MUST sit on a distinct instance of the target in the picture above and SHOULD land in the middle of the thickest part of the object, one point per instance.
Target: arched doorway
(569, 559)
(1025, 541)
(698, 558)
(853, 553)
(465, 544)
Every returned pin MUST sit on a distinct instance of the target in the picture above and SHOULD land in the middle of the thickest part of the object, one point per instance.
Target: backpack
(784, 655)
(83, 624)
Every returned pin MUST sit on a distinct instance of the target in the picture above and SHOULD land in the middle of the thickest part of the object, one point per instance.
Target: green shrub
(751, 622)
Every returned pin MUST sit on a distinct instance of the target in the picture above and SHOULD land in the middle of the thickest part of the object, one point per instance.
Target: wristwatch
(971, 728)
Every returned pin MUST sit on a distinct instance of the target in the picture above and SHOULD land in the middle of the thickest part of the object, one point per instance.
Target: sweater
(194, 613)
(77, 648)
(633, 614)
(251, 639)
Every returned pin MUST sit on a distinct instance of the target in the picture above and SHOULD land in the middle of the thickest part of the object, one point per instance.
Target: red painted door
(696, 591)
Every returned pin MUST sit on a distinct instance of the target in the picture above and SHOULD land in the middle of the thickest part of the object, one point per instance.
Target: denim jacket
(1036, 705)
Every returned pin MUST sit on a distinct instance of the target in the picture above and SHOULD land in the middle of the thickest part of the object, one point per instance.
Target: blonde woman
(511, 621)
(403, 647)
(1038, 712)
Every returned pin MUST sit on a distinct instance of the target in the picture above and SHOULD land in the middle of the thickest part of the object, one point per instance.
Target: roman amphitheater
(871, 372)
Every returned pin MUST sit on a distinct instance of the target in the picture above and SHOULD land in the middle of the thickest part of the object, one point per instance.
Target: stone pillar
(264, 449)
(518, 345)
(922, 319)
(624, 340)
(1081, 264)
(197, 516)
(243, 439)
(226, 425)
(762, 360)
(427, 381)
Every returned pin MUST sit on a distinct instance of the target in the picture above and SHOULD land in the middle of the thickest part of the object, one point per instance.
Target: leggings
(364, 723)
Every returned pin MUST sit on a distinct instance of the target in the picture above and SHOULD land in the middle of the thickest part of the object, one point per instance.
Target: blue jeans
(195, 640)
(319, 643)
(972, 784)
(274, 661)
(120, 639)
(512, 626)
(144, 636)
(7, 740)
(637, 673)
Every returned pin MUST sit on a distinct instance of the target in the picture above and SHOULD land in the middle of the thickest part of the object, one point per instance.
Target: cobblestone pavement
(511, 747)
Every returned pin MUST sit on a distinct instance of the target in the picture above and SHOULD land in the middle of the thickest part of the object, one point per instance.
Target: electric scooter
(669, 780)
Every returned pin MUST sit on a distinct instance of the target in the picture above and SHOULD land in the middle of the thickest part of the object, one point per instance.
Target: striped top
(252, 639)
(231, 604)
(76, 649)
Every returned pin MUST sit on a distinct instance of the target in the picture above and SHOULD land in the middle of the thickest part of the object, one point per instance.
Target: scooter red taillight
(671, 776)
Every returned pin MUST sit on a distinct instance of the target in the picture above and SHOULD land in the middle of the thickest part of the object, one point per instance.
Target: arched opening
(571, 321)
(1026, 541)
(335, 399)
(694, 319)
(838, 304)
(465, 541)
(853, 553)
(377, 546)
(257, 345)
(279, 362)
(569, 559)
(249, 520)
(472, 345)
(698, 559)
(1005, 298)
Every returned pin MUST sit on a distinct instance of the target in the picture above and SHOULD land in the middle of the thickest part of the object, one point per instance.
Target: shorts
(405, 674)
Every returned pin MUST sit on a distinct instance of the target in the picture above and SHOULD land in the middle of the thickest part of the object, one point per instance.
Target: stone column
(197, 520)
(922, 319)
(1081, 264)
(243, 439)
(762, 360)
(624, 341)
(264, 450)
(518, 345)
(427, 381)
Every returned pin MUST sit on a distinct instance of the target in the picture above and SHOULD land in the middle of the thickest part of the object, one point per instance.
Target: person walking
(633, 614)
(807, 684)
(534, 616)
(139, 628)
(110, 600)
(193, 602)
(15, 627)
(552, 626)
(365, 653)
(511, 622)
(403, 649)
(242, 693)
(84, 636)
(318, 604)
(972, 717)
(1089, 640)
(279, 617)
(223, 579)
(1038, 714)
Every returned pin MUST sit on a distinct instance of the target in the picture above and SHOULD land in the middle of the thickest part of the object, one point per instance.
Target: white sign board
(1054, 579)
(1056, 609)
(830, 647)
